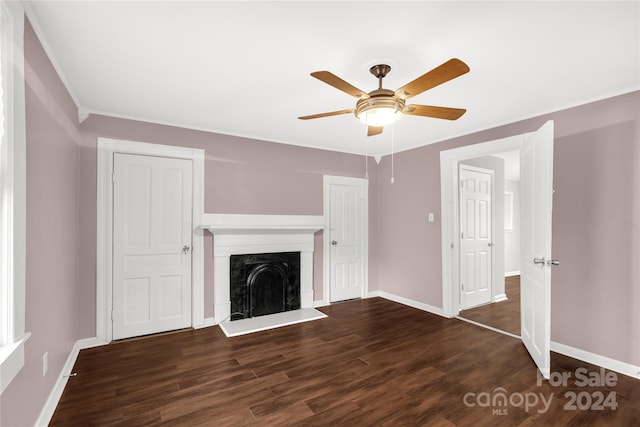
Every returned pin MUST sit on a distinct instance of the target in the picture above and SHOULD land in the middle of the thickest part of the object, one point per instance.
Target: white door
(346, 232)
(536, 179)
(475, 236)
(151, 245)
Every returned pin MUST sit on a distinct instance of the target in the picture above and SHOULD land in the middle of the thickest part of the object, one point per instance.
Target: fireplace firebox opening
(264, 284)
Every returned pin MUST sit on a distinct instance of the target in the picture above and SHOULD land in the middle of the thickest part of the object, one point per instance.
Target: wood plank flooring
(504, 315)
(370, 362)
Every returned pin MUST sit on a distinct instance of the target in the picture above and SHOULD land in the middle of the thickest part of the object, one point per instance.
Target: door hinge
(112, 315)
(462, 286)
(113, 177)
(462, 235)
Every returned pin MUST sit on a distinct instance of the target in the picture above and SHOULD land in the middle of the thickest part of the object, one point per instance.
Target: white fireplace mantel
(249, 234)
(262, 224)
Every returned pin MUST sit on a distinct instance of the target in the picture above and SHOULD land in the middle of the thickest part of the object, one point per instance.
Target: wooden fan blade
(335, 81)
(332, 113)
(449, 70)
(374, 130)
(436, 112)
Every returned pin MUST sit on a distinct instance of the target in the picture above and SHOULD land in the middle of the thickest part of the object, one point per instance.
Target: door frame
(449, 199)
(104, 239)
(327, 181)
(494, 226)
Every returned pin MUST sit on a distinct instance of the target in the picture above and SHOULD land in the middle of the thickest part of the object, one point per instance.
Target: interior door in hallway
(476, 186)
(151, 244)
(347, 228)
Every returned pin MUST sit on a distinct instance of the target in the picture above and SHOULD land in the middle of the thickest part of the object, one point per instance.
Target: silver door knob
(333, 242)
(539, 261)
(553, 262)
(186, 249)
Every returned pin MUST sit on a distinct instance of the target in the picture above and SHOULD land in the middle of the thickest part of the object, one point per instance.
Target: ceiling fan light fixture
(379, 110)
(382, 107)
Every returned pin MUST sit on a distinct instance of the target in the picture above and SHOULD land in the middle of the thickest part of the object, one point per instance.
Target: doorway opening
(492, 153)
(105, 233)
(536, 155)
(500, 309)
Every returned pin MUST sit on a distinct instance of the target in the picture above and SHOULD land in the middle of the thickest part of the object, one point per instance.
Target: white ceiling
(242, 68)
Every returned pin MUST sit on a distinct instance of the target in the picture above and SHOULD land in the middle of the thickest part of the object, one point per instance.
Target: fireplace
(238, 234)
(262, 284)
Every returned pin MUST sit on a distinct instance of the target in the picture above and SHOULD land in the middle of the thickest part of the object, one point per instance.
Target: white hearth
(252, 234)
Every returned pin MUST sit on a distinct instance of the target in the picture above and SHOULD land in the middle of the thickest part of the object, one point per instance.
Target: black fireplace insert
(264, 284)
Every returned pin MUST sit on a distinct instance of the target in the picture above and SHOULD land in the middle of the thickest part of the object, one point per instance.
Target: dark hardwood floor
(371, 362)
(504, 315)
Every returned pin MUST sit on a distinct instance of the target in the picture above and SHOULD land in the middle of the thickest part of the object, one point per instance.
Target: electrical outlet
(45, 363)
(430, 216)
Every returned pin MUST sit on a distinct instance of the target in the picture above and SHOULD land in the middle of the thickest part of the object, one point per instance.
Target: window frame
(12, 193)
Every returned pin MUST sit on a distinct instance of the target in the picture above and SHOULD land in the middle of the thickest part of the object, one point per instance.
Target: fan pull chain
(366, 146)
(366, 160)
(392, 151)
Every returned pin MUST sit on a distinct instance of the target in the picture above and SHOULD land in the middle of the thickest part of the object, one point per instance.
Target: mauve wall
(242, 176)
(52, 286)
(595, 292)
(596, 224)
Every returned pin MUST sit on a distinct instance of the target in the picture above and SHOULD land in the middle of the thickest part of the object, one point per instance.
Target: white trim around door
(328, 181)
(104, 244)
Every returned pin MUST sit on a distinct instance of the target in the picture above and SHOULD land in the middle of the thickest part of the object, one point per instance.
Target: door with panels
(346, 198)
(536, 177)
(476, 187)
(151, 244)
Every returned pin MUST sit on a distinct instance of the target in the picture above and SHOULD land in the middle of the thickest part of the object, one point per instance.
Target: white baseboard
(500, 298)
(624, 368)
(511, 273)
(89, 343)
(56, 393)
(208, 321)
(319, 303)
(406, 301)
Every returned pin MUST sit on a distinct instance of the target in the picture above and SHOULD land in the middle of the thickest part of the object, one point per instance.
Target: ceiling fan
(382, 107)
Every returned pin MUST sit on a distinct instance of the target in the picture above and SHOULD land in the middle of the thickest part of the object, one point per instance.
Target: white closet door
(151, 245)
